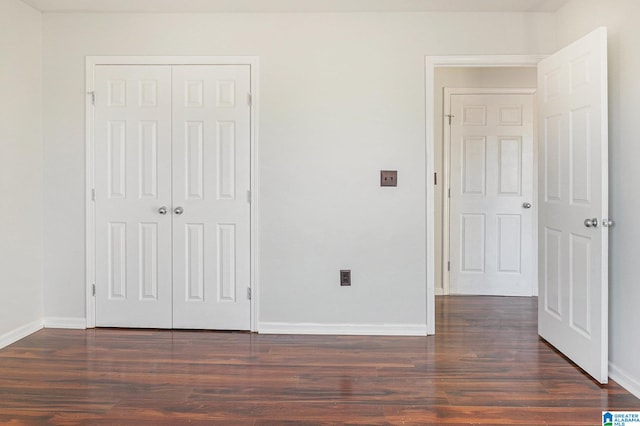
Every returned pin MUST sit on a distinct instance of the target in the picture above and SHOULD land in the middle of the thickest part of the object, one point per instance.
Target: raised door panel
(551, 264)
(472, 242)
(509, 228)
(509, 166)
(580, 156)
(474, 165)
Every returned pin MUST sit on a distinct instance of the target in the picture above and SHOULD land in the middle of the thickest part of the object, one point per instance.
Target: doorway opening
(462, 72)
(573, 191)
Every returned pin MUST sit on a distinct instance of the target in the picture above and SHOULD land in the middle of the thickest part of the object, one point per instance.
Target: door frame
(446, 178)
(431, 63)
(90, 64)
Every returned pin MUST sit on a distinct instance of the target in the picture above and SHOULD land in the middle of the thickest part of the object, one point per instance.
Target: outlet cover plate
(345, 277)
(388, 178)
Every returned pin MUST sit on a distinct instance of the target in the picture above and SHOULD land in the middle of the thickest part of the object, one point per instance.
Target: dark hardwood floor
(486, 365)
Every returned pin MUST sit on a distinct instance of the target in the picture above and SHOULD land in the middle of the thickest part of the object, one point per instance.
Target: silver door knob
(607, 223)
(526, 205)
(591, 223)
(178, 210)
(163, 210)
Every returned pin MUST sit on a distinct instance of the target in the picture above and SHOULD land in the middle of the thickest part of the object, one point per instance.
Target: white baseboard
(343, 329)
(19, 333)
(624, 379)
(439, 291)
(63, 322)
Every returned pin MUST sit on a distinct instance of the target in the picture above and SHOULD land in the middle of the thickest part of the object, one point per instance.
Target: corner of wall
(19, 333)
(624, 379)
(21, 160)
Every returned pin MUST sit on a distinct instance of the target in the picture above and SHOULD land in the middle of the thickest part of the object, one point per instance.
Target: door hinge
(435, 178)
(249, 100)
(93, 98)
(249, 196)
(450, 116)
(449, 193)
(93, 289)
(93, 194)
(249, 293)
(449, 266)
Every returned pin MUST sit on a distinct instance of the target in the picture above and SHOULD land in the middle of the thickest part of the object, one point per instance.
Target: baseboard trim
(63, 322)
(439, 291)
(343, 329)
(19, 333)
(624, 379)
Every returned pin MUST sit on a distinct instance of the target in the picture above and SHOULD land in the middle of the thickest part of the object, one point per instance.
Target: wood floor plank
(486, 365)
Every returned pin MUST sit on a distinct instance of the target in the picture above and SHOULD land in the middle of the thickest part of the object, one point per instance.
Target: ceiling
(179, 6)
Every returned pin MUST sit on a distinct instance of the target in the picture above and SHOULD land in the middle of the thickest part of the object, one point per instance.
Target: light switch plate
(388, 178)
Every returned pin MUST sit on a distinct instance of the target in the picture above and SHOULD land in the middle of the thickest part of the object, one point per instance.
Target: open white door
(573, 215)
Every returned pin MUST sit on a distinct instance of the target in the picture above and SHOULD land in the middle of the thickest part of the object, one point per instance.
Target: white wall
(473, 78)
(621, 17)
(342, 96)
(20, 170)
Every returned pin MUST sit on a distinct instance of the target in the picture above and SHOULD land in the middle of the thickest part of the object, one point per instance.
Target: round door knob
(178, 210)
(526, 205)
(163, 210)
(607, 223)
(591, 223)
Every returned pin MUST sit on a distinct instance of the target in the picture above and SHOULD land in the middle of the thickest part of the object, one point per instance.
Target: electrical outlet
(345, 277)
(388, 178)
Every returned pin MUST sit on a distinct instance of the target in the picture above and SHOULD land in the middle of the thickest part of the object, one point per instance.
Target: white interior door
(132, 183)
(573, 218)
(491, 194)
(172, 181)
(211, 182)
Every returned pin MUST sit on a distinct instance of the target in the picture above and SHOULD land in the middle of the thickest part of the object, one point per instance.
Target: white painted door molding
(90, 237)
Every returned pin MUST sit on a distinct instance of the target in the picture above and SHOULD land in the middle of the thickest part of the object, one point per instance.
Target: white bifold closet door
(172, 180)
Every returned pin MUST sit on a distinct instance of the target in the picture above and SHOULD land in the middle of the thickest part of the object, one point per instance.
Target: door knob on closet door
(163, 210)
(591, 223)
(178, 210)
(526, 205)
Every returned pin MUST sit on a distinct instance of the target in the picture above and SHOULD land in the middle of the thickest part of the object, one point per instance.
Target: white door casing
(573, 303)
(206, 261)
(211, 183)
(491, 192)
(132, 151)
